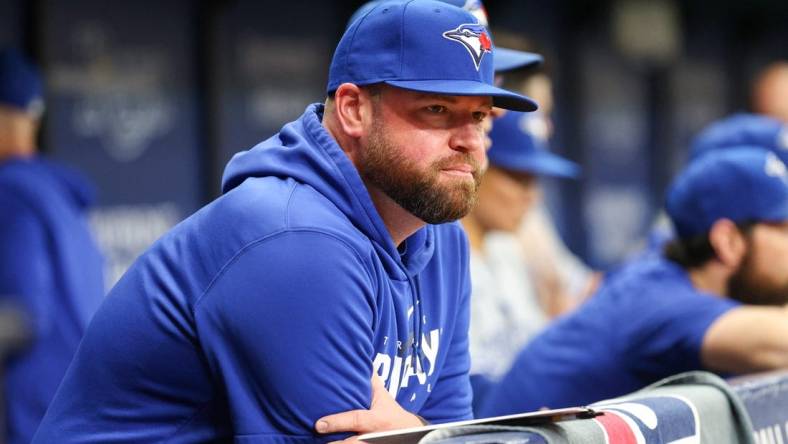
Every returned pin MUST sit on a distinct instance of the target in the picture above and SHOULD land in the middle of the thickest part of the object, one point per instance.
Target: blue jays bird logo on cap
(474, 38)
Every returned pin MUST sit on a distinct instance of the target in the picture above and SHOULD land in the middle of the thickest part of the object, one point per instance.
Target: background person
(742, 129)
(729, 132)
(770, 91)
(562, 279)
(50, 266)
(329, 259)
(714, 301)
(506, 309)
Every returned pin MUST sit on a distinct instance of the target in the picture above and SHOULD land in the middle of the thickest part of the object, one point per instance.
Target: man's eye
(479, 116)
(437, 109)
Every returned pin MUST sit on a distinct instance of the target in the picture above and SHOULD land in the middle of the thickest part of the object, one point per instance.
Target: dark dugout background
(151, 98)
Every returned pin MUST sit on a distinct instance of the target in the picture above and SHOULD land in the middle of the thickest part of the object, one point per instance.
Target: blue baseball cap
(742, 129)
(505, 59)
(743, 184)
(519, 143)
(421, 45)
(20, 83)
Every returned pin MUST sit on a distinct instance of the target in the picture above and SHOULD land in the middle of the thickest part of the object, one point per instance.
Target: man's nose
(469, 138)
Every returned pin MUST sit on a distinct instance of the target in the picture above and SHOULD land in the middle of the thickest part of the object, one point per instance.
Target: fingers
(356, 421)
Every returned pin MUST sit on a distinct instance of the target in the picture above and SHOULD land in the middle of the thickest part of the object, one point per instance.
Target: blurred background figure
(562, 279)
(739, 129)
(50, 266)
(714, 300)
(770, 91)
(742, 129)
(506, 307)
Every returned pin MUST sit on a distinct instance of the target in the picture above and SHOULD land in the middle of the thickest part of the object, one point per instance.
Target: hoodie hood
(304, 151)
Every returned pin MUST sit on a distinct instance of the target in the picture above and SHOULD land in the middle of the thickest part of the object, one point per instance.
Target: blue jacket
(271, 307)
(645, 323)
(51, 269)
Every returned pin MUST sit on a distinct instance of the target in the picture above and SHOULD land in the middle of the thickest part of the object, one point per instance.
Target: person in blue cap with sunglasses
(714, 300)
(506, 307)
(50, 266)
(326, 292)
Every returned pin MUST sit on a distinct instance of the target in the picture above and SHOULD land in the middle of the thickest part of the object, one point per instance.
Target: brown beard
(747, 287)
(415, 190)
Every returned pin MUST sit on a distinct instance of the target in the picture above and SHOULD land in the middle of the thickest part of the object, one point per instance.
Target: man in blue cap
(742, 129)
(505, 59)
(325, 293)
(715, 300)
(506, 307)
(50, 266)
(731, 131)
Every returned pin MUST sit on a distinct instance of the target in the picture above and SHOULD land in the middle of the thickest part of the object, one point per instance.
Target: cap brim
(540, 163)
(501, 97)
(505, 59)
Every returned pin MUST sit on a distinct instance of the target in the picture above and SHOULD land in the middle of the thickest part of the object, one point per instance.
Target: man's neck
(17, 134)
(710, 278)
(11, 148)
(399, 222)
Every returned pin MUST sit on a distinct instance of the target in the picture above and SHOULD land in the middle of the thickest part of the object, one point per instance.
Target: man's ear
(353, 108)
(728, 242)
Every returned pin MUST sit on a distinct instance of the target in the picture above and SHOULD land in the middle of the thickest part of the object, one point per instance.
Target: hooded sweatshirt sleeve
(298, 353)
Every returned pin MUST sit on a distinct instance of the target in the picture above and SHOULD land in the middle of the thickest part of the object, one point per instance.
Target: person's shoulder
(17, 216)
(647, 272)
(44, 180)
(16, 187)
(18, 173)
(268, 208)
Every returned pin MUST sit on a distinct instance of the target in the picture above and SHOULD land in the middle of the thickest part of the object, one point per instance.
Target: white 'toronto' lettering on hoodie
(397, 371)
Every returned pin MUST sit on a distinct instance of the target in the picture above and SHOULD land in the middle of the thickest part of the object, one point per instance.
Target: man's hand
(384, 414)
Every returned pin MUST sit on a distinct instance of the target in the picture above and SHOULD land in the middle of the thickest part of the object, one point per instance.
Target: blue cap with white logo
(743, 129)
(519, 143)
(505, 59)
(421, 45)
(20, 83)
(743, 184)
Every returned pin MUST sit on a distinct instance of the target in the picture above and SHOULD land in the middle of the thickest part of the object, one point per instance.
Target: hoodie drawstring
(417, 328)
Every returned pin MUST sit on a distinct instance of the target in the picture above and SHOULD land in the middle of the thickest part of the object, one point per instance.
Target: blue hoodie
(270, 308)
(50, 269)
(646, 322)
